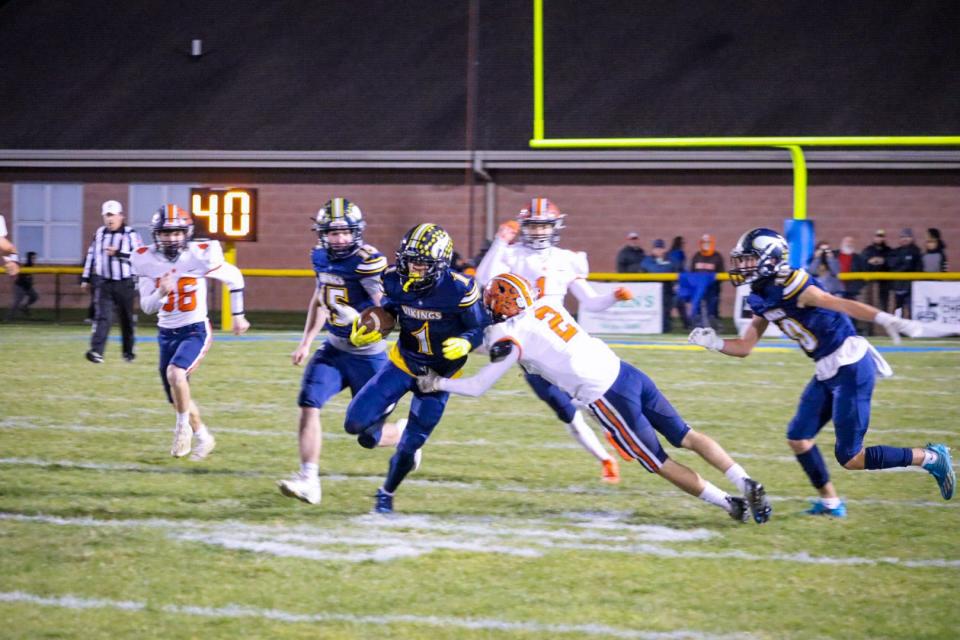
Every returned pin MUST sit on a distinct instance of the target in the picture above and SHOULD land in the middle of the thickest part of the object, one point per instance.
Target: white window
(48, 219)
(144, 199)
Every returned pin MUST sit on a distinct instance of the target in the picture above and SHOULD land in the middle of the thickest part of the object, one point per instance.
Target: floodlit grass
(505, 532)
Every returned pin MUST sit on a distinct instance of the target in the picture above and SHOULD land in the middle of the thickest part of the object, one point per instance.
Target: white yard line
(375, 538)
(236, 611)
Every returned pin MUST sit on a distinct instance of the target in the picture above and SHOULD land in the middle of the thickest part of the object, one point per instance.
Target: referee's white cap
(111, 206)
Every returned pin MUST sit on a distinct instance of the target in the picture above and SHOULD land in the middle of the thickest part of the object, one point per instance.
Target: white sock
(202, 433)
(309, 469)
(183, 418)
(929, 457)
(737, 475)
(583, 434)
(831, 503)
(714, 495)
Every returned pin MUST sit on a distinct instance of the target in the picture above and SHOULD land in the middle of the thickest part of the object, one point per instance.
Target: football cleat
(301, 487)
(181, 440)
(384, 502)
(820, 509)
(94, 357)
(942, 469)
(203, 448)
(130, 357)
(739, 510)
(756, 497)
(611, 471)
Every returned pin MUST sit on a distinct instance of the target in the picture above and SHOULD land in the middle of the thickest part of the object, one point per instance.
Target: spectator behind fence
(876, 257)
(850, 261)
(934, 257)
(658, 262)
(630, 257)
(707, 260)
(677, 255)
(904, 259)
(23, 288)
(108, 267)
(825, 267)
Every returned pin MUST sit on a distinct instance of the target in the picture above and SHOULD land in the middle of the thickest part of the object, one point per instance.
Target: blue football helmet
(168, 218)
(759, 254)
(336, 215)
(425, 244)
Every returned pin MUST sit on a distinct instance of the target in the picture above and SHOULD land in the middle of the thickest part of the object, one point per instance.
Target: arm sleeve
(88, 263)
(233, 279)
(478, 384)
(589, 299)
(374, 288)
(493, 262)
(150, 298)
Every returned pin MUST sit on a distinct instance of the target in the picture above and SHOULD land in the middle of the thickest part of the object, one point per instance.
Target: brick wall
(601, 206)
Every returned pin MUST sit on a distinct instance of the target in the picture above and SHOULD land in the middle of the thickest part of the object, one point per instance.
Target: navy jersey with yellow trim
(338, 282)
(452, 307)
(819, 331)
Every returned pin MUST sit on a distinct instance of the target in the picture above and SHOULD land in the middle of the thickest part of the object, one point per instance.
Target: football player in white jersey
(11, 261)
(172, 280)
(554, 271)
(545, 339)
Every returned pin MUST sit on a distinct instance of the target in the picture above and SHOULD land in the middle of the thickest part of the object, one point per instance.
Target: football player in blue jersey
(441, 318)
(349, 279)
(845, 365)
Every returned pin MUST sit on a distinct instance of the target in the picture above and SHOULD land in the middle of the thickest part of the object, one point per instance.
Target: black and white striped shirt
(116, 267)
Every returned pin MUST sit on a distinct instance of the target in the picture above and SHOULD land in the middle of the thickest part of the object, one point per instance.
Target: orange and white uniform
(553, 270)
(187, 303)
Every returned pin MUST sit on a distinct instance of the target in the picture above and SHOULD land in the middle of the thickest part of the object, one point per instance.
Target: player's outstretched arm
(10, 258)
(737, 347)
(475, 385)
(816, 297)
(493, 261)
(230, 276)
(590, 300)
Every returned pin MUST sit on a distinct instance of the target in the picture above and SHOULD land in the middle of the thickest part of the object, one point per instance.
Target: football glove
(360, 336)
(455, 348)
(622, 293)
(895, 325)
(706, 338)
(429, 383)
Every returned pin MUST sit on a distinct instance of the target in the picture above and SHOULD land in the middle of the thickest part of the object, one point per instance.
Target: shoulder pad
(501, 349)
(367, 251)
(371, 265)
(794, 283)
(580, 264)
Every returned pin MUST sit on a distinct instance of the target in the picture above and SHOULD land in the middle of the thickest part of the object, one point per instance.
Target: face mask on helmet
(166, 222)
(507, 295)
(337, 216)
(759, 254)
(424, 255)
(540, 224)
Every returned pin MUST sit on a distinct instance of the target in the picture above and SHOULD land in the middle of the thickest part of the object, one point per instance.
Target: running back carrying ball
(377, 319)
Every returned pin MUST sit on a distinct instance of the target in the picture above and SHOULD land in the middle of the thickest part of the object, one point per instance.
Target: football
(377, 319)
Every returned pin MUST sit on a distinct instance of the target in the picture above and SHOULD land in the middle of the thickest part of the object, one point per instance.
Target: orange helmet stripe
(520, 285)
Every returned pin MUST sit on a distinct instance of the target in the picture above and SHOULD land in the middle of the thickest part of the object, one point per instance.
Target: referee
(108, 267)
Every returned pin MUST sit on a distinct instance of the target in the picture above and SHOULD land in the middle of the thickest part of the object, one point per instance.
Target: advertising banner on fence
(640, 315)
(937, 306)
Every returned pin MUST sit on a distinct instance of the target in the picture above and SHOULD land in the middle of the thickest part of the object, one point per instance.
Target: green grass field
(505, 532)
